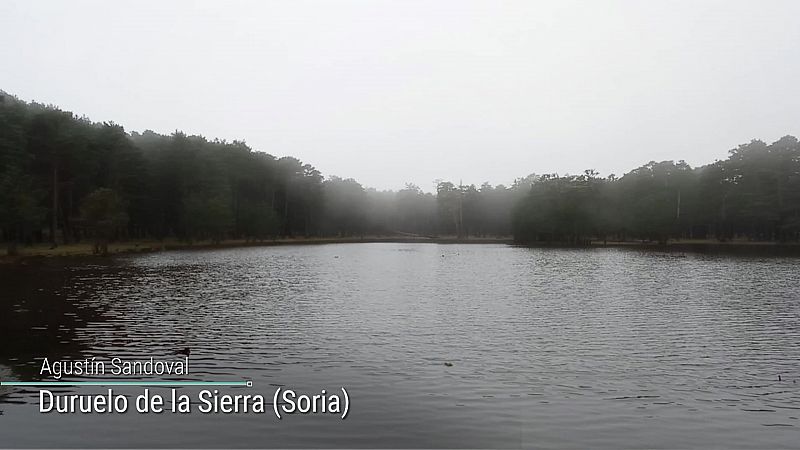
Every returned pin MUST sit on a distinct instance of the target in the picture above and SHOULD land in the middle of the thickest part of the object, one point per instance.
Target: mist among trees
(66, 179)
(754, 194)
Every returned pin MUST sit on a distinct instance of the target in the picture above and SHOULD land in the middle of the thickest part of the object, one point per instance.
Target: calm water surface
(551, 348)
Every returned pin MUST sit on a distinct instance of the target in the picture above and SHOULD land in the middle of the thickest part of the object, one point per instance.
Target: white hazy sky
(390, 92)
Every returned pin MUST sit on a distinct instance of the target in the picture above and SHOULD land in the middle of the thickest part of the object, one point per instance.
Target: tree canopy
(64, 178)
(754, 194)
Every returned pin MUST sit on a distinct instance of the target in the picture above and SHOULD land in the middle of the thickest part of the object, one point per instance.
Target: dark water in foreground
(550, 348)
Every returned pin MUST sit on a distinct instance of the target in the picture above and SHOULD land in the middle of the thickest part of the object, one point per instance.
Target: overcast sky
(390, 92)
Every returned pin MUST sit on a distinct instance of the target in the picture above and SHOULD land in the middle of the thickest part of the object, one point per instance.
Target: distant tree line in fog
(754, 194)
(66, 179)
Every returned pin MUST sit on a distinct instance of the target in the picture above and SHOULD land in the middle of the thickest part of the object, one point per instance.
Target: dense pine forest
(66, 179)
(752, 195)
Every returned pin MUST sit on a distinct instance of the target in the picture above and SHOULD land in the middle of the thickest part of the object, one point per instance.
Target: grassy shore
(147, 246)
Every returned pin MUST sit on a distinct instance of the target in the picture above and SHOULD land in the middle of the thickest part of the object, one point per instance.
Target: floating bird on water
(448, 364)
(185, 351)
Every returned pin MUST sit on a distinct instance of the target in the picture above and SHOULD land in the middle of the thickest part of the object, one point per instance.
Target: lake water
(557, 348)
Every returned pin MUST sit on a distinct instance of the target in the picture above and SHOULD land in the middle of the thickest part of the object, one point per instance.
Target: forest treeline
(66, 179)
(754, 194)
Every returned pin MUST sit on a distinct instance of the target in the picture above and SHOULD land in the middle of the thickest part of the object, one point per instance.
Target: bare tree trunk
(54, 222)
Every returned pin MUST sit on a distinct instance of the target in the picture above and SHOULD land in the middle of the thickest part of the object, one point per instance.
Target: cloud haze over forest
(389, 92)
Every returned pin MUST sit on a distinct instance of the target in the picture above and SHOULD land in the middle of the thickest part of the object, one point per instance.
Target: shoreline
(84, 250)
(700, 246)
